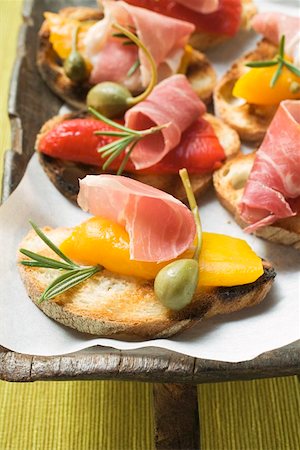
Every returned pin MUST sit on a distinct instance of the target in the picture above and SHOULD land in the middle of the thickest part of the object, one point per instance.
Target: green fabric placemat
(103, 415)
(109, 415)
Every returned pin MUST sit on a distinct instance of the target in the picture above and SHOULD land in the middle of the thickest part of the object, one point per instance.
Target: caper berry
(75, 67)
(109, 99)
(176, 283)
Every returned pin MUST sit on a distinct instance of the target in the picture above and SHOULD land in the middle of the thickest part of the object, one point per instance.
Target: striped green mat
(98, 415)
(108, 415)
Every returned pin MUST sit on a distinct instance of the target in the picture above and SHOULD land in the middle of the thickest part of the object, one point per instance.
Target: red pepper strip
(199, 150)
(226, 20)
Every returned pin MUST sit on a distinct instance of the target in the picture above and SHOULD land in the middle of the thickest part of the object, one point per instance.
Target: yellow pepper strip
(254, 86)
(61, 32)
(224, 260)
(186, 59)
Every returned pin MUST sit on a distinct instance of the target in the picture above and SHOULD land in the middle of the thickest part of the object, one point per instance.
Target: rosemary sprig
(278, 60)
(73, 273)
(128, 140)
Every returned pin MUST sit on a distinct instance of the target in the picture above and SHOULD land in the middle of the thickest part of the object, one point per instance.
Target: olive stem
(194, 208)
(134, 100)
(75, 38)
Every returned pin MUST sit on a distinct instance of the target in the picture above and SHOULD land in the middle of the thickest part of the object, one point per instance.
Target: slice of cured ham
(226, 20)
(160, 227)
(273, 25)
(200, 6)
(165, 38)
(173, 102)
(272, 191)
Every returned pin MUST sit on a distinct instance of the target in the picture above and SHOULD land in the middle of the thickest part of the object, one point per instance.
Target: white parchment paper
(236, 337)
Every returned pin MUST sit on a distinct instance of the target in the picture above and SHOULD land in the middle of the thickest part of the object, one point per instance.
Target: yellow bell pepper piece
(254, 86)
(224, 260)
(186, 59)
(61, 31)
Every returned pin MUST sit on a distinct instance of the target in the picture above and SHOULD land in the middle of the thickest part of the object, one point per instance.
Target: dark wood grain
(176, 417)
(30, 104)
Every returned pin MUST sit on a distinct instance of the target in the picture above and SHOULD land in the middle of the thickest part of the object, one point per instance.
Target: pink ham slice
(273, 25)
(273, 188)
(173, 102)
(160, 227)
(163, 36)
(200, 6)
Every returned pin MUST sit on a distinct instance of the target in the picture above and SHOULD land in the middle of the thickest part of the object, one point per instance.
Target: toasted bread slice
(229, 182)
(65, 174)
(203, 41)
(117, 306)
(250, 121)
(200, 72)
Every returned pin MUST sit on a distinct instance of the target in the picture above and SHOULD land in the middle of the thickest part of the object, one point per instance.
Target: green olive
(109, 99)
(75, 67)
(176, 283)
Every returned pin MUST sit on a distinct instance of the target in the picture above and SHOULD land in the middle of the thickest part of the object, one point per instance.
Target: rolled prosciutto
(164, 37)
(160, 227)
(173, 102)
(272, 191)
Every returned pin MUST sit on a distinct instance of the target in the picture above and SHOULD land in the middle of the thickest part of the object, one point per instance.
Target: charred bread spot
(65, 174)
(228, 294)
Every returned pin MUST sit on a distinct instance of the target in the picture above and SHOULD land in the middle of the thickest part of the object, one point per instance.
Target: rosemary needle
(279, 60)
(72, 274)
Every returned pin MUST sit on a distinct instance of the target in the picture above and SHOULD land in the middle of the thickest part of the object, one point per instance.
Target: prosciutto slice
(164, 37)
(200, 6)
(226, 20)
(273, 188)
(273, 25)
(173, 102)
(160, 227)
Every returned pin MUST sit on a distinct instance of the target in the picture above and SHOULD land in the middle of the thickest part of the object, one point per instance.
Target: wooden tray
(175, 375)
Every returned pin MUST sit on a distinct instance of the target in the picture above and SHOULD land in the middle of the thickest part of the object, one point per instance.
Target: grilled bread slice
(202, 41)
(250, 121)
(112, 305)
(199, 71)
(229, 183)
(65, 174)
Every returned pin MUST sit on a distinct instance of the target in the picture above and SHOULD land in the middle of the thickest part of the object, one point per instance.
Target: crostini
(113, 60)
(262, 189)
(248, 95)
(116, 284)
(69, 148)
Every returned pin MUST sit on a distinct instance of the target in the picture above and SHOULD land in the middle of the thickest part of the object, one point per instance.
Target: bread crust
(229, 182)
(250, 121)
(112, 305)
(200, 72)
(65, 174)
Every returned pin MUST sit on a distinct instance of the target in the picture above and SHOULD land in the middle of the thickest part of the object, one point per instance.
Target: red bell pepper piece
(199, 150)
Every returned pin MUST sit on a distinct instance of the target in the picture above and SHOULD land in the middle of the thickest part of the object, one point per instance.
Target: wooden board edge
(146, 364)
